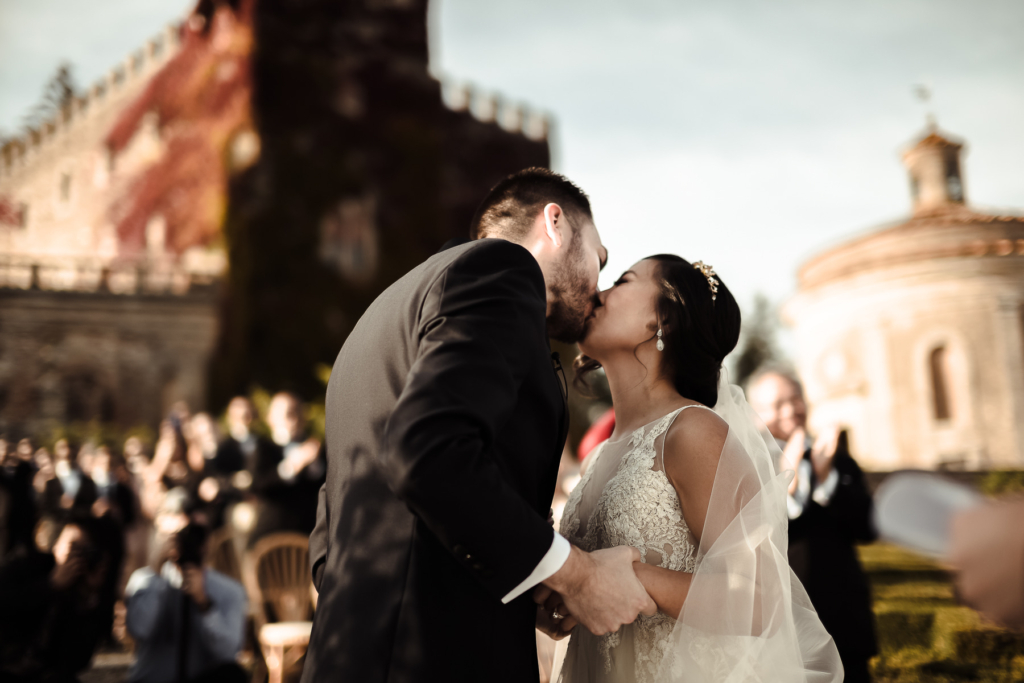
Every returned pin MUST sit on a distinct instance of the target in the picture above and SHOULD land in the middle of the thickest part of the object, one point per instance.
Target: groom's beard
(572, 298)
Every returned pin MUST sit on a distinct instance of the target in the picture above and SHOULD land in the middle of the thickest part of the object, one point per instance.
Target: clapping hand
(792, 454)
(299, 458)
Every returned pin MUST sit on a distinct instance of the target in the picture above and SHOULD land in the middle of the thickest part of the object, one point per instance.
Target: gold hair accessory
(708, 272)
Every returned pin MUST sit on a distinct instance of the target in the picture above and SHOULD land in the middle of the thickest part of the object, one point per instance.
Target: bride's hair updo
(698, 332)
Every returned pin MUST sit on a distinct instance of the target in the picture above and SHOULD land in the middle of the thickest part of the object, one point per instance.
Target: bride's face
(625, 316)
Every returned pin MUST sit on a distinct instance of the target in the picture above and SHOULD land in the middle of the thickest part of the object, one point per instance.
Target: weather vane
(923, 92)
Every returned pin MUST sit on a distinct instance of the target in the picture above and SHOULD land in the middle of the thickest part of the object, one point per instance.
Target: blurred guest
(238, 452)
(829, 510)
(70, 489)
(169, 469)
(135, 458)
(110, 537)
(52, 607)
(232, 467)
(114, 493)
(24, 450)
(115, 510)
(287, 478)
(987, 552)
(44, 469)
(85, 458)
(213, 492)
(184, 615)
(17, 503)
(170, 518)
(180, 413)
(136, 538)
(287, 422)
(203, 437)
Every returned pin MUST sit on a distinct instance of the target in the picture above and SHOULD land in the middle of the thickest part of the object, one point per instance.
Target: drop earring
(660, 345)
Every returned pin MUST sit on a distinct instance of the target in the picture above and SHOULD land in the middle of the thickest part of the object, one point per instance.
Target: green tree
(757, 339)
(58, 94)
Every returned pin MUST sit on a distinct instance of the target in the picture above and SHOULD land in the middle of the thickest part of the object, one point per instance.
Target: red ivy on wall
(10, 213)
(201, 99)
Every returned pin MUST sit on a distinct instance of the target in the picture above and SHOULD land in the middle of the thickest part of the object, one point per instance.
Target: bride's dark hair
(698, 332)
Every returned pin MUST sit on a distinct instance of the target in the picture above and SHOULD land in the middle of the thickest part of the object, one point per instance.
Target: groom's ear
(554, 223)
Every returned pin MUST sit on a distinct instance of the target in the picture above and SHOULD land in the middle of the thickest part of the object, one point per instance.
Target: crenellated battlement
(492, 108)
(137, 66)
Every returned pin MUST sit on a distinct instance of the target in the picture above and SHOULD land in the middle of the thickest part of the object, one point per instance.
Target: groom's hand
(600, 589)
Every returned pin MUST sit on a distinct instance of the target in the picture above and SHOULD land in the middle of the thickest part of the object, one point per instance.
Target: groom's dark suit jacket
(445, 424)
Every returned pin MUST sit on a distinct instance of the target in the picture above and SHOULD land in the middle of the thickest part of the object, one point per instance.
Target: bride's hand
(547, 623)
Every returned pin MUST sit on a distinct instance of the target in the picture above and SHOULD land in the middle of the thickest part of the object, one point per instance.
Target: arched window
(65, 187)
(938, 364)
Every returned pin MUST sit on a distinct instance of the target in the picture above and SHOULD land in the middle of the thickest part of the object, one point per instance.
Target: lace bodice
(625, 498)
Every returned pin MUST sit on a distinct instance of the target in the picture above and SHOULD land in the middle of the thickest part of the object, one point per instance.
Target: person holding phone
(187, 619)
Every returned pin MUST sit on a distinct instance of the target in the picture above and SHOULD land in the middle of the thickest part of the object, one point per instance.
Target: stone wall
(82, 356)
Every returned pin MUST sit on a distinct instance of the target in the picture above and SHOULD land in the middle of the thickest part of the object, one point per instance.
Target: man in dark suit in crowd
(71, 488)
(239, 451)
(446, 418)
(829, 510)
(299, 469)
(17, 506)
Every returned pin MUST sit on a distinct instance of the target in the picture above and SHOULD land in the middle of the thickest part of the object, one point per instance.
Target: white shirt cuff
(823, 493)
(796, 502)
(794, 507)
(552, 561)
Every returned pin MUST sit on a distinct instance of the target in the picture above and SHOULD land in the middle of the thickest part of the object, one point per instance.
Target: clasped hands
(599, 590)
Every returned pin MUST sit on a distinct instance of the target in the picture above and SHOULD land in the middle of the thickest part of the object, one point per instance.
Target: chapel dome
(941, 226)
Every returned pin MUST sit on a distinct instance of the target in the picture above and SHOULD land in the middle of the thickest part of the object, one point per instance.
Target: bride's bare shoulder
(697, 430)
(694, 443)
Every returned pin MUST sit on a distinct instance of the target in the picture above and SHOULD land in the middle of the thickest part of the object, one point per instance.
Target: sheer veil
(746, 616)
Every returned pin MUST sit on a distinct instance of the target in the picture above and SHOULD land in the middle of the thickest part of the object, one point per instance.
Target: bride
(687, 477)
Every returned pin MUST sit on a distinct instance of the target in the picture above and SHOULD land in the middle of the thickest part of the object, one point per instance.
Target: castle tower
(933, 163)
(346, 169)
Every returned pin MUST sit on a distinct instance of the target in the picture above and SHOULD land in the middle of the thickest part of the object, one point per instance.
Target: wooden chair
(222, 555)
(277, 578)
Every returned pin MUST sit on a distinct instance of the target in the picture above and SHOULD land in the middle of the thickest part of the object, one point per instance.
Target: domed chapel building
(912, 336)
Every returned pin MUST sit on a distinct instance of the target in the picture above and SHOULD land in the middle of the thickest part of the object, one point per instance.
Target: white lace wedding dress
(625, 498)
(746, 618)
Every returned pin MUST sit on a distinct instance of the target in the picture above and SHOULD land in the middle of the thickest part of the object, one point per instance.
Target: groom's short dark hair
(509, 209)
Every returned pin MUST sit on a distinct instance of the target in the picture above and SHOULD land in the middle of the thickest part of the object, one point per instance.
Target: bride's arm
(668, 588)
(692, 449)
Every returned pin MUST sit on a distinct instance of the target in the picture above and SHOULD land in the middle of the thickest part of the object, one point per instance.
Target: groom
(446, 418)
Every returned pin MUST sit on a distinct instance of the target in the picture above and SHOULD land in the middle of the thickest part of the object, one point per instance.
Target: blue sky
(747, 134)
